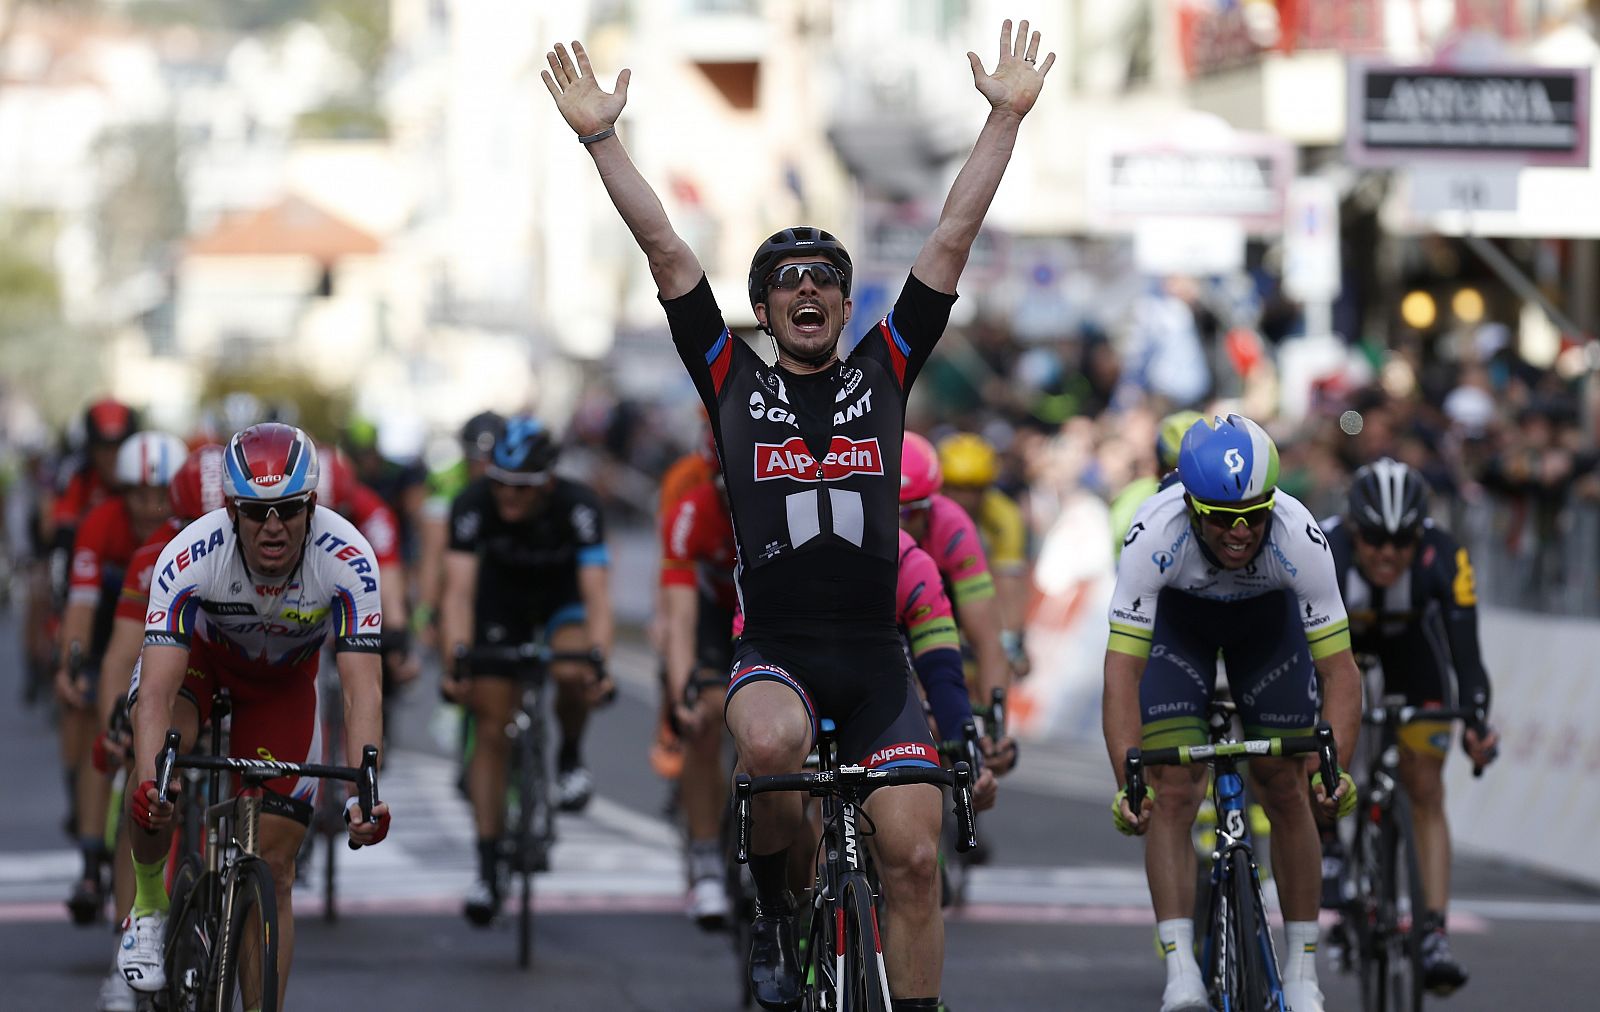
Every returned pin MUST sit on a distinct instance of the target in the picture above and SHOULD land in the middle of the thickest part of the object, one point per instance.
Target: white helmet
(150, 458)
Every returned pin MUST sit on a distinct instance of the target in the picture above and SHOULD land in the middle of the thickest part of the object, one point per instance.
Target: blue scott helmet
(1227, 461)
(524, 453)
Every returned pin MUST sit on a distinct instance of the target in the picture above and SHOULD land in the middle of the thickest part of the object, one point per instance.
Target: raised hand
(587, 108)
(1014, 85)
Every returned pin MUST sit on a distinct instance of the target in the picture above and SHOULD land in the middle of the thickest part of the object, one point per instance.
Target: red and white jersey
(202, 588)
(101, 551)
(136, 581)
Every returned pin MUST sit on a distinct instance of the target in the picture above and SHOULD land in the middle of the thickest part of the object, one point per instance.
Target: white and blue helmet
(1226, 461)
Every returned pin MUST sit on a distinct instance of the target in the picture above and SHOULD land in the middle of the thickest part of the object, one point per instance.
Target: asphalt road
(1059, 920)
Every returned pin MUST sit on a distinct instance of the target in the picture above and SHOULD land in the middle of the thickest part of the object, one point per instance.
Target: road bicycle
(1237, 959)
(843, 961)
(221, 945)
(1381, 922)
(530, 794)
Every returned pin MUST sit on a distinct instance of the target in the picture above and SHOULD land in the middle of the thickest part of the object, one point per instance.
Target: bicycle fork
(1232, 836)
(849, 841)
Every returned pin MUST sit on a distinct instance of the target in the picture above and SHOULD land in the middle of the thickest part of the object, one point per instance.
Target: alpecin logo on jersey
(791, 459)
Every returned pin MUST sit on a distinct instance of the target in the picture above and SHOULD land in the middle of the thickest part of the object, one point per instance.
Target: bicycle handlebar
(530, 654)
(1320, 744)
(365, 776)
(825, 782)
(1399, 715)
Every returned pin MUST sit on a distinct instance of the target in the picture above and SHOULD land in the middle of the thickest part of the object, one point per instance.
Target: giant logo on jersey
(791, 459)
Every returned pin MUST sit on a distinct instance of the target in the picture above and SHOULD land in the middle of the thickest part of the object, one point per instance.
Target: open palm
(587, 108)
(1014, 85)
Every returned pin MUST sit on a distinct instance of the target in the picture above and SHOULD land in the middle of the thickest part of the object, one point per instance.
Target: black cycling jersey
(528, 569)
(812, 464)
(1424, 626)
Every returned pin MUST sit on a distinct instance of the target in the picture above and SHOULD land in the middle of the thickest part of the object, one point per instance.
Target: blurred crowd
(1507, 447)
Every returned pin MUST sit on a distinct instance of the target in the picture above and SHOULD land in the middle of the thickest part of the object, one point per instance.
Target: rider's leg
(772, 734)
(491, 699)
(150, 849)
(1423, 776)
(906, 849)
(705, 788)
(1281, 787)
(574, 690)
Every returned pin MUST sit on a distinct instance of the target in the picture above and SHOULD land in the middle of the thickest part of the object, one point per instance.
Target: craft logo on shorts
(793, 460)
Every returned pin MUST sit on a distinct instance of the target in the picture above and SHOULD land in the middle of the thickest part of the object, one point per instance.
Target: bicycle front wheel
(1251, 946)
(191, 929)
(865, 985)
(1405, 885)
(248, 971)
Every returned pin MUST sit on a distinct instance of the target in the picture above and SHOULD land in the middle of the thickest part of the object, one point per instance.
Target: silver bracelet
(594, 138)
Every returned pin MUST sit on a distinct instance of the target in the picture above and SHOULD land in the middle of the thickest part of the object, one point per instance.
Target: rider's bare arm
(1119, 708)
(589, 111)
(1011, 91)
(458, 602)
(594, 586)
(160, 676)
(1341, 700)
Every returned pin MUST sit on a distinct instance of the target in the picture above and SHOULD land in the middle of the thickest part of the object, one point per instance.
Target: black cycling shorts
(508, 630)
(1263, 646)
(866, 690)
(713, 638)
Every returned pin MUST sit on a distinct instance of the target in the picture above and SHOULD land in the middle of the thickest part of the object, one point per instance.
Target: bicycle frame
(1386, 937)
(1233, 836)
(233, 825)
(844, 863)
(1233, 842)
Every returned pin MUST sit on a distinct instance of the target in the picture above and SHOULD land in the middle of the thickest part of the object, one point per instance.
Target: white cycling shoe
(139, 953)
(708, 903)
(1302, 996)
(115, 994)
(1185, 994)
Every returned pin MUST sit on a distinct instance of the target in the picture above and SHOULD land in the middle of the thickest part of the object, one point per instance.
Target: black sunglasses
(1377, 537)
(260, 511)
(789, 276)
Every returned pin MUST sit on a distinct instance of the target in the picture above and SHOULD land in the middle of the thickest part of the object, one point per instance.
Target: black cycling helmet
(108, 422)
(801, 240)
(524, 452)
(480, 433)
(1387, 498)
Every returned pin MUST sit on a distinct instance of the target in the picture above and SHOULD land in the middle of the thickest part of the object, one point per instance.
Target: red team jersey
(697, 546)
(136, 582)
(104, 545)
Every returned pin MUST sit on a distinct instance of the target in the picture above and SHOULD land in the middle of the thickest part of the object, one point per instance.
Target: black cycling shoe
(482, 903)
(86, 902)
(774, 964)
(1441, 974)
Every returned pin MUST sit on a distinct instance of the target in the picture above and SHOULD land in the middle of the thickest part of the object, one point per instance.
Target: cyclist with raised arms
(810, 450)
(1412, 600)
(1224, 561)
(527, 555)
(243, 598)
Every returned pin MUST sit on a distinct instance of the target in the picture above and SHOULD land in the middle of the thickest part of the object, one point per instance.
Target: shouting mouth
(808, 319)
